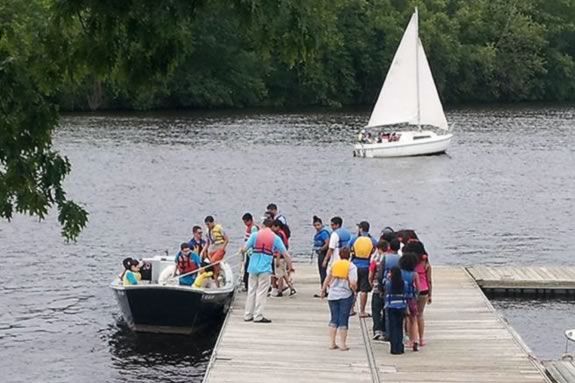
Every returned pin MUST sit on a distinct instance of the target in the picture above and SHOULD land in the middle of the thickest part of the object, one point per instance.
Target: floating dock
(467, 341)
(527, 280)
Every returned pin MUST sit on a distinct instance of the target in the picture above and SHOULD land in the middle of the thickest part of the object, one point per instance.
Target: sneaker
(248, 319)
(376, 336)
(263, 320)
(292, 292)
(415, 346)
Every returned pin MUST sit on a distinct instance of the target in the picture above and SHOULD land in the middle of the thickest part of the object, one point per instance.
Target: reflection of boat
(170, 308)
(408, 97)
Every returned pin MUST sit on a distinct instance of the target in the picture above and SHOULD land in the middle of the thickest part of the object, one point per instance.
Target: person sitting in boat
(186, 262)
(131, 274)
(206, 278)
(361, 136)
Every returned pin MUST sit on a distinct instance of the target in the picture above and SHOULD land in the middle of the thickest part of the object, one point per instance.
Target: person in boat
(251, 228)
(320, 245)
(197, 243)
(206, 278)
(283, 266)
(131, 274)
(338, 239)
(396, 296)
(275, 214)
(377, 299)
(216, 245)
(362, 247)
(263, 244)
(187, 261)
(341, 281)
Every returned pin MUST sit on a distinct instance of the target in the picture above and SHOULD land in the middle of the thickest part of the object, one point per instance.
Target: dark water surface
(503, 195)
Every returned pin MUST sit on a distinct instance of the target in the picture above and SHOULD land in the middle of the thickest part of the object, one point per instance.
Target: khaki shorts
(281, 268)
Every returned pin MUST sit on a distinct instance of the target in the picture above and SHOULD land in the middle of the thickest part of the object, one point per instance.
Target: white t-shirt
(333, 244)
(339, 288)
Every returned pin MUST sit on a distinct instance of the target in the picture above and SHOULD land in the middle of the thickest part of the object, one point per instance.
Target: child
(395, 304)
(131, 274)
(407, 264)
(376, 298)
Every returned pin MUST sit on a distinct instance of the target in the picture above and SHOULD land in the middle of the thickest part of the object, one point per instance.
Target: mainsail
(409, 94)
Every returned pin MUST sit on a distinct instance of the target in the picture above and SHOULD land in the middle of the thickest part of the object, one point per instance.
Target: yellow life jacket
(202, 277)
(340, 269)
(362, 247)
(125, 280)
(217, 235)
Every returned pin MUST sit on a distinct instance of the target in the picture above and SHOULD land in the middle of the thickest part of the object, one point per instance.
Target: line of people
(395, 268)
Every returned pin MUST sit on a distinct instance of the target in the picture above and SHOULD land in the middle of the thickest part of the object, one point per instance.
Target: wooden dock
(560, 371)
(528, 280)
(467, 341)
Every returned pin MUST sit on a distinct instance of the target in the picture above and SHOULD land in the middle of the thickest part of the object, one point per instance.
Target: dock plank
(531, 278)
(466, 342)
(560, 371)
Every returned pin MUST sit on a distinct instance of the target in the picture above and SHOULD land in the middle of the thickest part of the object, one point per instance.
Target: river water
(502, 195)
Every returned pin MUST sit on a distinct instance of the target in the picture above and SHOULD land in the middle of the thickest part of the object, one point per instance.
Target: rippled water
(503, 195)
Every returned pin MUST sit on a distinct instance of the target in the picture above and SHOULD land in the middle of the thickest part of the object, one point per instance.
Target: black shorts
(363, 280)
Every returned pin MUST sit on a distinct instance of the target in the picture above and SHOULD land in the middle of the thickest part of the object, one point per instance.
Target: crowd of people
(393, 267)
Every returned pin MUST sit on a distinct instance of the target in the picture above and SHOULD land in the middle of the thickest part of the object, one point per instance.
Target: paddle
(191, 272)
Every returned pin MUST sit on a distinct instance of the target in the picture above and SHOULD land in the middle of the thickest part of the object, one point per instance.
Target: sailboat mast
(417, 67)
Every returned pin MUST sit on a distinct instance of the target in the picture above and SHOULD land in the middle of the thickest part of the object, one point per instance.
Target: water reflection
(144, 357)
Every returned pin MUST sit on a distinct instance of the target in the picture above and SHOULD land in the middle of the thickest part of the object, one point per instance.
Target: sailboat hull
(409, 144)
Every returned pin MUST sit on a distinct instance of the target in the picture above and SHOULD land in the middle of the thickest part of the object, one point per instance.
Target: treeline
(479, 51)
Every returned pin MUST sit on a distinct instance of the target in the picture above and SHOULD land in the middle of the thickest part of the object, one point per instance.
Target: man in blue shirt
(186, 262)
(263, 245)
(197, 243)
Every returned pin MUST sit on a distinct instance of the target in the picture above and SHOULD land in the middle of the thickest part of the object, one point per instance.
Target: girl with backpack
(407, 264)
(396, 290)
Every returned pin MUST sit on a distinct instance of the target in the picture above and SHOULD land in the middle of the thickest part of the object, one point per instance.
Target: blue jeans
(340, 309)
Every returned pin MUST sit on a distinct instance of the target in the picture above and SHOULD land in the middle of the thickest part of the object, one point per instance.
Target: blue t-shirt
(188, 280)
(320, 238)
(359, 262)
(193, 244)
(260, 262)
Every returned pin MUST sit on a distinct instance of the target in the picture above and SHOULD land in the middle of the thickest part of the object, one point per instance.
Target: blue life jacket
(389, 262)
(344, 237)
(320, 237)
(396, 301)
(408, 278)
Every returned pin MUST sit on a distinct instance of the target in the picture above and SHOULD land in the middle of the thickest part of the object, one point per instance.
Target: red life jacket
(185, 264)
(265, 241)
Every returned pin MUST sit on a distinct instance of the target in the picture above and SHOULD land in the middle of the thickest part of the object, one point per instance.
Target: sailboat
(409, 99)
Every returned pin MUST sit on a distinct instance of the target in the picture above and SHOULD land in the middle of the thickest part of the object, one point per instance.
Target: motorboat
(408, 118)
(159, 304)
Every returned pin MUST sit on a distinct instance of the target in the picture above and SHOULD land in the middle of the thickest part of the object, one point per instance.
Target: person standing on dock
(320, 245)
(251, 228)
(362, 247)
(338, 239)
(217, 242)
(263, 245)
(396, 292)
(341, 281)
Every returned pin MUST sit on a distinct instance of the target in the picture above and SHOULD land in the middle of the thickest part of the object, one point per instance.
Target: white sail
(408, 94)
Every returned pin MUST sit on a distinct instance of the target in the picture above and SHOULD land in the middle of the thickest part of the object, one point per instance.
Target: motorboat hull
(435, 144)
(171, 309)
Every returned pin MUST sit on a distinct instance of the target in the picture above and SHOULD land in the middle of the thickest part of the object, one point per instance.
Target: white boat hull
(406, 146)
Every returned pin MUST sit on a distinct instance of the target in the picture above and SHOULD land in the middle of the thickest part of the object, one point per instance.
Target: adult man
(362, 246)
(197, 243)
(273, 209)
(216, 246)
(251, 228)
(338, 239)
(263, 244)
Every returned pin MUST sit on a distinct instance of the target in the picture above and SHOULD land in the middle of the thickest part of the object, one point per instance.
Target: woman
(320, 244)
(423, 270)
(407, 265)
(395, 305)
(342, 283)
